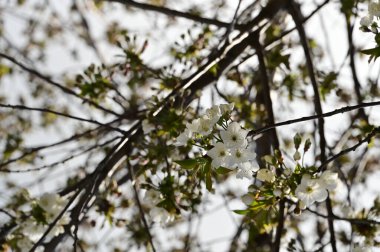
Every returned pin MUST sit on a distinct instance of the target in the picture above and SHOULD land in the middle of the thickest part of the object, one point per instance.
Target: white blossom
(193, 127)
(32, 229)
(238, 156)
(160, 215)
(226, 108)
(52, 203)
(297, 156)
(214, 114)
(24, 244)
(183, 138)
(58, 228)
(218, 154)
(310, 190)
(246, 170)
(329, 180)
(48, 201)
(247, 199)
(234, 136)
(205, 126)
(265, 175)
(152, 198)
(366, 20)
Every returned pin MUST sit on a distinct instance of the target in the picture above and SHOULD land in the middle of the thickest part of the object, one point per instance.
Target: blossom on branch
(310, 190)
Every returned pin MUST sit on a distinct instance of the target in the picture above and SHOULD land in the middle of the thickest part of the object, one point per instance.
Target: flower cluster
(368, 20)
(157, 214)
(301, 185)
(229, 148)
(44, 211)
(315, 189)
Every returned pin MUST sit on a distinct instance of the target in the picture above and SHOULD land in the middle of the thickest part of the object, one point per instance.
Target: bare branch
(45, 110)
(308, 118)
(56, 84)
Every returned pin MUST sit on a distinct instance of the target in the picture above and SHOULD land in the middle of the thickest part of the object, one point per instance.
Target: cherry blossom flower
(247, 199)
(246, 170)
(234, 136)
(366, 20)
(205, 126)
(214, 114)
(310, 190)
(226, 108)
(183, 138)
(329, 180)
(193, 127)
(160, 215)
(51, 203)
(238, 156)
(31, 229)
(265, 175)
(218, 154)
(152, 198)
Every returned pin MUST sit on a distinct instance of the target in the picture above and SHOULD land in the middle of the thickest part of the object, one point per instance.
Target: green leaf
(208, 176)
(39, 214)
(187, 163)
(256, 205)
(373, 52)
(242, 212)
(223, 170)
(192, 163)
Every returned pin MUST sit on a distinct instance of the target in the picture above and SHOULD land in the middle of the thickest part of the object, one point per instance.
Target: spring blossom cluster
(226, 144)
(32, 229)
(230, 148)
(157, 214)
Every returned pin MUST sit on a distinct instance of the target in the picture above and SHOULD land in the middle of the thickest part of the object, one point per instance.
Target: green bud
(307, 145)
(297, 139)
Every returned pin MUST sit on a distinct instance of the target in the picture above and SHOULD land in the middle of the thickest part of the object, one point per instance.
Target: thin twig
(171, 12)
(295, 12)
(31, 150)
(141, 210)
(56, 84)
(308, 118)
(351, 220)
(352, 148)
(46, 110)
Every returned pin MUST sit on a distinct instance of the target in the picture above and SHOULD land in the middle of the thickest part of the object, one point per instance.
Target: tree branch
(351, 220)
(295, 12)
(374, 132)
(56, 84)
(45, 110)
(171, 12)
(308, 118)
(141, 210)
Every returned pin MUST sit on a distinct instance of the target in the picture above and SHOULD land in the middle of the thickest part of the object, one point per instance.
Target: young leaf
(297, 140)
(187, 163)
(373, 52)
(242, 212)
(223, 170)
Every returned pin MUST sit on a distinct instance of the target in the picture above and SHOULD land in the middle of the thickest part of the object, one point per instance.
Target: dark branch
(170, 12)
(45, 110)
(367, 139)
(308, 118)
(56, 84)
